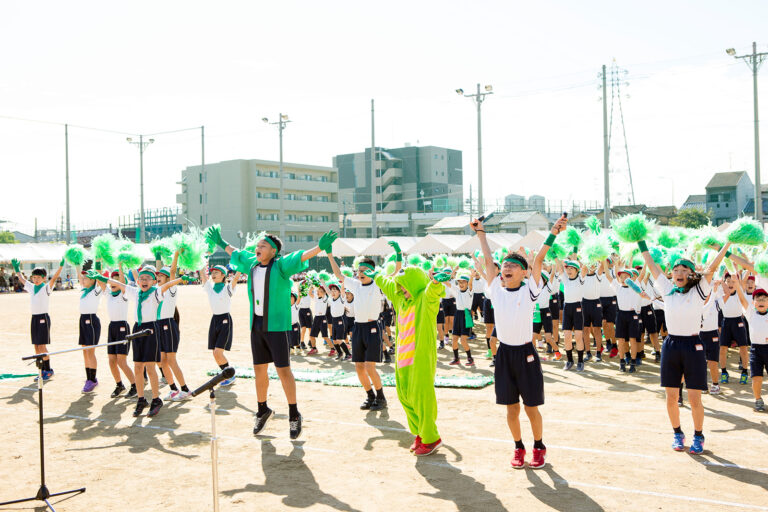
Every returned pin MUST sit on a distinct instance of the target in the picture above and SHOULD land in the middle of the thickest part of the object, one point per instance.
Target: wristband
(398, 257)
(728, 254)
(550, 240)
(642, 245)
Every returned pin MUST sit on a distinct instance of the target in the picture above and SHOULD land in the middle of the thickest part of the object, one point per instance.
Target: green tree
(6, 237)
(691, 218)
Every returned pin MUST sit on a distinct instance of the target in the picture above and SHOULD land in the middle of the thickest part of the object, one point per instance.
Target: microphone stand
(43, 494)
(214, 452)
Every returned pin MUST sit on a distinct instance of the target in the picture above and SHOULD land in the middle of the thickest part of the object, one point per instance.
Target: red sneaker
(558, 355)
(455, 362)
(614, 352)
(312, 351)
(332, 352)
(423, 450)
(470, 362)
(518, 461)
(416, 443)
(538, 458)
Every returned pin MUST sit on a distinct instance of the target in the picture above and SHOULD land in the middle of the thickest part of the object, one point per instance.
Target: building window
(290, 197)
(308, 177)
(290, 175)
(290, 216)
(322, 218)
(201, 220)
(201, 177)
(257, 172)
(201, 198)
(726, 205)
(322, 199)
(322, 178)
(306, 197)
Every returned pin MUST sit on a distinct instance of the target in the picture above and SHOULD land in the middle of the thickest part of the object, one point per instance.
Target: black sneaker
(632, 368)
(657, 357)
(599, 357)
(379, 404)
(262, 420)
(638, 361)
(622, 366)
(568, 365)
(392, 349)
(587, 357)
(387, 357)
(155, 407)
(493, 362)
(119, 388)
(294, 428)
(303, 346)
(140, 405)
(131, 392)
(368, 403)
(442, 345)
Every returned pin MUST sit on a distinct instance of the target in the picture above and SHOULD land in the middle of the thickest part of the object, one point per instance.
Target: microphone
(226, 373)
(140, 334)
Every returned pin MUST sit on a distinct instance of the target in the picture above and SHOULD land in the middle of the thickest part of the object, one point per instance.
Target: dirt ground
(607, 436)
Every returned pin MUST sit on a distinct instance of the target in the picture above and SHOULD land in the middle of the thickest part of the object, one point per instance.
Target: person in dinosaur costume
(415, 296)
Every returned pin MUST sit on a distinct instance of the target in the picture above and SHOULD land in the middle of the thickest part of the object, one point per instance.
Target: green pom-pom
(441, 260)
(684, 236)
(415, 259)
(571, 238)
(389, 267)
(628, 252)
(614, 243)
(746, 231)
(426, 265)
(104, 248)
(593, 224)
(465, 263)
(556, 251)
(391, 257)
(673, 256)
(129, 256)
(76, 255)
(162, 247)
(324, 276)
(251, 239)
(452, 261)
(657, 255)
(356, 261)
(707, 237)
(633, 228)
(594, 249)
(478, 253)
(761, 264)
(666, 238)
(194, 248)
(500, 253)
(347, 272)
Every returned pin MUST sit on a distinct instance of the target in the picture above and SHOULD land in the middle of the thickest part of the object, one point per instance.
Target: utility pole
(606, 153)
(478, 98)
(66, 173)
(204, 178)
(142, 145)
(281, 122)
(754, 60)
(374, 194)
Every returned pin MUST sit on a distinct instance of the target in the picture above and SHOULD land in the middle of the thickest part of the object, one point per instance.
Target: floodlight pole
(66, 174)
(606, 156)
(141, 144)
(479, 97)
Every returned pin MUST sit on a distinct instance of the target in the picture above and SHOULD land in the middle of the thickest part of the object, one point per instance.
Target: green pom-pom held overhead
(761, 264)
(415, 259)
(347, 272)
(666, 238)
(104, 248)
(556, 251)
(633, 228)
(746, 231)
(129, 256)
(595, 249)
(571, 238)
(162, 247)
(76, 255)
(192, 249)
(593, 224)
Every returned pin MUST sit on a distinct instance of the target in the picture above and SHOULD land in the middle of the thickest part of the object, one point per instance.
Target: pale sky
(145, 67)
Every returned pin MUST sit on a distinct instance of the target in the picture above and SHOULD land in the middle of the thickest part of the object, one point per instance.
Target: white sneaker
(181, 396)
(171, 396)
(714, 389)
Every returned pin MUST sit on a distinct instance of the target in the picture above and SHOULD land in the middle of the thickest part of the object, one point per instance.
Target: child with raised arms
(168, 332)
(220, 330)
(117, 308)
(92, 289)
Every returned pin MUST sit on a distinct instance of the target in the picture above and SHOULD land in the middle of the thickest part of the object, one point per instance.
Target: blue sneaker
(228, 382)
(742, 380)
(47, 374)
(697, 446)
(724, 378)
(679, 443)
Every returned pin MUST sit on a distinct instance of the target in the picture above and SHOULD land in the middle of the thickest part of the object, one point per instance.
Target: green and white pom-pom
(629, 252)
(163, 247)
(452, 261)
(746, 231)
(347, 272)
(194, 248)
(634, 286)
(500, 253)
(593, 224)
(666, 238)
(465, 263)
(615, 245)
(594, 249)
(104, 248)
(570, 238)
(761, 264)
(76, 255)
(391, 257)
(684, 236)
(324, 276)
(556, 251)
(657, 255)
(426, 265)
(416, 259)
(638, 260)
(478, 254)
(129, 256)
(441, 261)
(389, 268)
(672, 257)
(356, 261)
(633, 228)
(708, 236)
(251, 239)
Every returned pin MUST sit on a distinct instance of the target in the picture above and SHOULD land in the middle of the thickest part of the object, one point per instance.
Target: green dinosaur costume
(416, 333)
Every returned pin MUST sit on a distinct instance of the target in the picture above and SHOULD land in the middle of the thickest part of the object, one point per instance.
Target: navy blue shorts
(460, 323)
(733, 329)
(349, 322)
(661, 320)
(305, 317)
(711, 341)
(441, 314)
(339, 330)
(627, 325)
(449, 306)
(517, 375)
(295, 335)
(573, 317)
(545, 323)
(478, 299)
(554, 305)
(168, 332)
(115, 332)
(90, 330)
(610, 309)
(269, 347)
(592, 310)
(366, 342)
(319, 327)
(147, 348)
(220, 332)
(648, 321)
(41, 329)
(684, 356)
(386, 317)
(489, 314)
(758, 360)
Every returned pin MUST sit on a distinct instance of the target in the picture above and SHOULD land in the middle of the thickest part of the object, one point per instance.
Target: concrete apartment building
(244, 196)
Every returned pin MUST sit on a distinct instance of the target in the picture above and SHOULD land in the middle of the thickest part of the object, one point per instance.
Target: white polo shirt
(709, 319)
(731, 308)
(349, 307)
(337, 307)
(117, 306)
(149, 308)
(168, 307)
(572, 289)
(89, 305)
(463, 298)
(221, 303)
(478, 285)
(38, 302)
(683, 311)
(305, 302)
(606, 288)
(627, 299)
(590, 290)
(367, 300)
(320, 305)
(546, 294)
(295, 314)
(514, 311)
(758, 327)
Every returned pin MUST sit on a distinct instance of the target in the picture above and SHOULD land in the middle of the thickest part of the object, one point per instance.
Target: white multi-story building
(244, 196)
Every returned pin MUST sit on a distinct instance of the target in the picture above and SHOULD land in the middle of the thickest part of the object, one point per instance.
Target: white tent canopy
(345, 247)
(381, 246)
(495, 241)
(49, 252)
(532, 240)
(434, 244)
